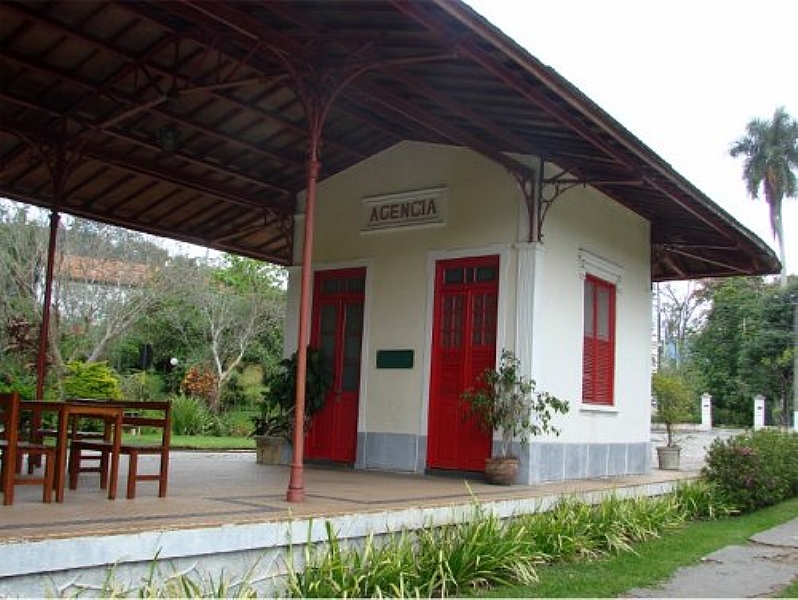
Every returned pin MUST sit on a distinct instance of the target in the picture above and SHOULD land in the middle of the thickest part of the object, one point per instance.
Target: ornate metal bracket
(540, 194)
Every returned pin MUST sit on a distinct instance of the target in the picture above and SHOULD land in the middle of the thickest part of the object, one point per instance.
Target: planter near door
(501, 470)
(269, 449)
(504, 400)
(668, 457)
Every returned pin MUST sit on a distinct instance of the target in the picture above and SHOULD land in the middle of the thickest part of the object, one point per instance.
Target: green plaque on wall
(394, 359)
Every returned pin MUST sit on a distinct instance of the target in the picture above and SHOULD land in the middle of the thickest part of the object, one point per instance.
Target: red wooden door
(338, 332)
(463, 345)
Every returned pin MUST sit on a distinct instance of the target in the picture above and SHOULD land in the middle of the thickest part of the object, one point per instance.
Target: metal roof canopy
(185, 119)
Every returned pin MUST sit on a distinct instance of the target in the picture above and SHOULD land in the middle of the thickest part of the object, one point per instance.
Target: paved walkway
(759, 569)
(762, 567)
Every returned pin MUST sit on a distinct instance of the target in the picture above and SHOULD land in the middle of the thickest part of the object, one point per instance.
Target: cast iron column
(44, 329)
(296, 483)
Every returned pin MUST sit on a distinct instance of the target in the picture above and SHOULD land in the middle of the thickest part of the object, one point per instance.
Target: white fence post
(759, 411)
(706, 412)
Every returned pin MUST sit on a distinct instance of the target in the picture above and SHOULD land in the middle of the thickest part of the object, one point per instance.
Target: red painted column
(296, 483)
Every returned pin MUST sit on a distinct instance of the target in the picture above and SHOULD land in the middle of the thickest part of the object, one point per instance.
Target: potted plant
(274, 426)
(673, 399)
(504, 400)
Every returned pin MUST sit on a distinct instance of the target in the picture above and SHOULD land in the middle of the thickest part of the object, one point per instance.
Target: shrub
(142, 386)
(24, 383)
(674, 398)
(754, 470)
(237, 424)
(191, 416)
(199, 382)
(700, 500)
(91, 380)
(484, 551)
(232, 392)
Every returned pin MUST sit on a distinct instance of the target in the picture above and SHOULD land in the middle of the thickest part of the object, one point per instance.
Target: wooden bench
(141, 416)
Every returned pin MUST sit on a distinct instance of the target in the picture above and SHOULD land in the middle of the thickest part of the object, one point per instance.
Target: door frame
(504, 329)
(292, 324)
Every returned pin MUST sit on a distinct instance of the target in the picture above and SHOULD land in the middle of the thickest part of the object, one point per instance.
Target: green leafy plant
(91, 380)
(277, 407)
(191, 416)
(236, 424)
(273, 420)
(485, 552)
(504, 400)
(755, 469)
(674, 399)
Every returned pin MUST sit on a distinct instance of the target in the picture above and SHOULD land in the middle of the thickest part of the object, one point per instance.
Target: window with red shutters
(598, 353)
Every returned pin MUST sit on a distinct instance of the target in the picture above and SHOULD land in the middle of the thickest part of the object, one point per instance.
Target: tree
(766, 359)
(234, 305)
(674, 401)
(23, 250)
(771, 153)
(116, 291)
(680, 307)
(744, 346)
(106, 278)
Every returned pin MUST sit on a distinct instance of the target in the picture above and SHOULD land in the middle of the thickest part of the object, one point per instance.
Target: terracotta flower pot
(501, 471)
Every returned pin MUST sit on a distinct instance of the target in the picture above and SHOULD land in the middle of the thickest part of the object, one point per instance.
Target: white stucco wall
(583, 221)
(486, 215)
(481, 216)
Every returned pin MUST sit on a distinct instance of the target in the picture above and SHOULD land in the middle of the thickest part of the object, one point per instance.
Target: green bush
(700, 500)
(237, 424)
(91, 380)
(24, 383)
(232, 392)
(191, 416)
(486, 552)
(674, 399)
(143, 386)
(754, 470)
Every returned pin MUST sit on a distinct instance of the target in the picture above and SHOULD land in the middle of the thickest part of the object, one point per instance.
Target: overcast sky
(684, 76)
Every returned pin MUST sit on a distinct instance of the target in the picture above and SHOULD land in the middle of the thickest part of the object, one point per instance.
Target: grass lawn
(654, 561)
(791, 591)
(197, 442)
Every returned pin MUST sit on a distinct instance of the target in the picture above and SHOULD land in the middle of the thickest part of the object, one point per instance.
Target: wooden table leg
(115, 457)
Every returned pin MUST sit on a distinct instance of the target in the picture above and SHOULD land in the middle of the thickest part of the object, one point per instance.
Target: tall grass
(479, 554)
(485, 552)
(439, 561)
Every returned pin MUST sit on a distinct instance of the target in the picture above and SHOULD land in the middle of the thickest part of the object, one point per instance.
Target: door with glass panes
(338, 298)
(463, 346)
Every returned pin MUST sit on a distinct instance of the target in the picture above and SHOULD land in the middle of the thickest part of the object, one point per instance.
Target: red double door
(338, 298)
(463, 345)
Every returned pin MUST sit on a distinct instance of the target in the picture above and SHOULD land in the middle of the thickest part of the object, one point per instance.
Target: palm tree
(771, 153)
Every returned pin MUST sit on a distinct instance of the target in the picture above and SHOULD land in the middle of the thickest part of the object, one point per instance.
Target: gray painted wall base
(540, 462)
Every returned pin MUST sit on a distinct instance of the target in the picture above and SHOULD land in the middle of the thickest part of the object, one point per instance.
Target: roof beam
(418, 12)
(215, 91)
(454, 135)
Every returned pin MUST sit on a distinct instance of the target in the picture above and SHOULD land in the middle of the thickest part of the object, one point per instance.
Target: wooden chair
(12, 449)
(141, 416)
